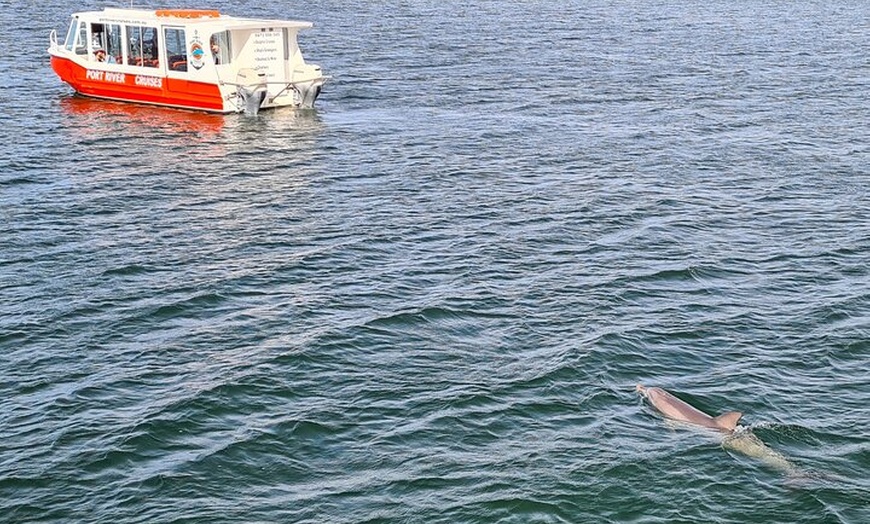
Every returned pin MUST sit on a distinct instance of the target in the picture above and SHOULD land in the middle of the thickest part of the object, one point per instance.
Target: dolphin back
(746, 443)
(672, 407)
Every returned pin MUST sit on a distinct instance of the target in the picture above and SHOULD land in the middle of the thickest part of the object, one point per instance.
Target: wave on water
(426, 299)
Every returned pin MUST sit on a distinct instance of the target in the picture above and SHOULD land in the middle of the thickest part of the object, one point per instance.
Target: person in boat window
(215, 51)
(101, 56)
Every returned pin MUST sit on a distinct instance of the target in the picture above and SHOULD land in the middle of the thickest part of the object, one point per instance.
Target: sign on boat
(186, 58)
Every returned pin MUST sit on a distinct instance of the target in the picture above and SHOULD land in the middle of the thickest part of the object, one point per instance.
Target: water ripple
(429, 300)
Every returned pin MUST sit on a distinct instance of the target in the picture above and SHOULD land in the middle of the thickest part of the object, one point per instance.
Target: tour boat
(186, 58)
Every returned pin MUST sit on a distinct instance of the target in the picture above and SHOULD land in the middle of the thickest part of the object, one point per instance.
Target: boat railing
(52, 38)
(280, 82)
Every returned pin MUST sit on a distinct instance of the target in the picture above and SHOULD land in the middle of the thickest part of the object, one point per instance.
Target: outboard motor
(308, 94)
(252, 89)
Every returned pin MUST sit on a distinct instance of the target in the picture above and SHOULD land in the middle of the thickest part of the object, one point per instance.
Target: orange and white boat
(186, 58)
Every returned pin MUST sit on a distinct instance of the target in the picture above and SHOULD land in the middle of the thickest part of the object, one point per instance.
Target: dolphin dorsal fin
(728, 420)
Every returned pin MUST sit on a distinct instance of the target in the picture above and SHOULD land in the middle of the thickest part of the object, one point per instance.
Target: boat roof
(186, 17)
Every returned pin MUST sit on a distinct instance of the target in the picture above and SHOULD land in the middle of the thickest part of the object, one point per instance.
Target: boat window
(106, 43)
(70, 41)
(176, 53)
(97, 37)
(219, 45)
(142, 46)
(114, 43)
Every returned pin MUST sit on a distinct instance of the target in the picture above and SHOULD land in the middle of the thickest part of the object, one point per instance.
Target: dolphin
(674, 408)
(735, 438)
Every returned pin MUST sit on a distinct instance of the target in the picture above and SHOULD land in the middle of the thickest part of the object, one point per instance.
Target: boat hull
(140, 88)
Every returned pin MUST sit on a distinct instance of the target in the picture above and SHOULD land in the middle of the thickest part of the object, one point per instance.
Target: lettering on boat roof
(114, 15)
(188, 13)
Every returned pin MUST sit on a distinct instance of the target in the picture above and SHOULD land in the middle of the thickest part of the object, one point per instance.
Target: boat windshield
(70, 41)
(77, 37)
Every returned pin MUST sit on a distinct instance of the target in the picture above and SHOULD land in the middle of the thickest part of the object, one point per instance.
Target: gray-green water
(430, 299)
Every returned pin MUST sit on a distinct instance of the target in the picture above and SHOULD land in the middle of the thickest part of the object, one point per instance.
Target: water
(429, 300)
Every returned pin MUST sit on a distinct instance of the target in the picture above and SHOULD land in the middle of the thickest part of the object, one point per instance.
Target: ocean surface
(429, 300)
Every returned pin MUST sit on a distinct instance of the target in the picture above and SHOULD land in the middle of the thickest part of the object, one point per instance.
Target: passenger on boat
(101, 56)
(215, 51)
